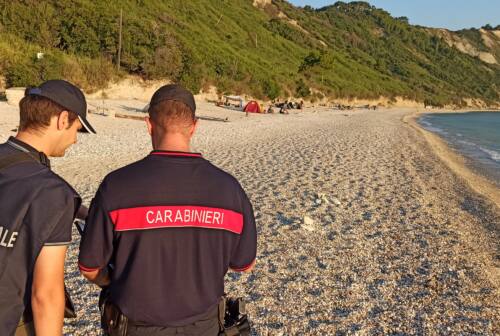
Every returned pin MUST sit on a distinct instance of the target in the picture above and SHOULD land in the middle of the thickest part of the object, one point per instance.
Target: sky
(450, 14)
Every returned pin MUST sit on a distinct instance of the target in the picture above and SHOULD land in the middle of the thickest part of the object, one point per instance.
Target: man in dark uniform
(37, 208)
(171, 225)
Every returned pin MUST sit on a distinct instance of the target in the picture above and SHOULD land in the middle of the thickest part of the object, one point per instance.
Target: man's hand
(82, 213)
(47, 298)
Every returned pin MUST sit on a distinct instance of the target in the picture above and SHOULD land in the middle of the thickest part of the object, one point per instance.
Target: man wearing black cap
(168, 228)
(38, 208)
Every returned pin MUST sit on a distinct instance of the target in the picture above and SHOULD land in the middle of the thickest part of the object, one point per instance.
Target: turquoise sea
(476, 135)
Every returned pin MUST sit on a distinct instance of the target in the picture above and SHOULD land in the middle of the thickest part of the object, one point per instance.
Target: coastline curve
(454, 161)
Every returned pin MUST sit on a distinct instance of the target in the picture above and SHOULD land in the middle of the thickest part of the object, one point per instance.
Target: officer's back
(171, 225)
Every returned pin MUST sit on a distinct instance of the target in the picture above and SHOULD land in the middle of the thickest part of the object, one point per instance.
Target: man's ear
(149, 125)
(193, 128)
(63, 120)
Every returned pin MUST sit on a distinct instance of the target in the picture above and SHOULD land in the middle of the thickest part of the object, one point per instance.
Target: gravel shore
(362, 227)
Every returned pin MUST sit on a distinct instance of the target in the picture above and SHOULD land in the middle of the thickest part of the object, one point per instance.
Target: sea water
(476, 135)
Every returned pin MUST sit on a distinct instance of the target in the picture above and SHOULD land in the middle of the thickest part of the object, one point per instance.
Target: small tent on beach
(253, 107)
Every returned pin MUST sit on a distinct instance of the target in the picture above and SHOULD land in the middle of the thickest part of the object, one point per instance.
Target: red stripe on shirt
(177, 154)
(87, 269)
(156, 217)
(244, 268)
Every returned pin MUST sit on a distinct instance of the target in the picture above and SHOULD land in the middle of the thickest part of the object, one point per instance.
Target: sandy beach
(363, 227)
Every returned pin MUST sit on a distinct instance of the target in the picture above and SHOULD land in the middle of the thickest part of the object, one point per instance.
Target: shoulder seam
(57, 244)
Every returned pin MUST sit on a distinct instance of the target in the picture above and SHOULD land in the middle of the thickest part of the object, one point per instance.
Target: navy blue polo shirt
(171, 225)
(37, 208)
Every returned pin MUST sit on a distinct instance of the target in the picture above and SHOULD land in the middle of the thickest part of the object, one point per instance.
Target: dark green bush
(312, 59)
(22, 74)
(34, 71)
(271, 89)
(165, 62)
(302, 90)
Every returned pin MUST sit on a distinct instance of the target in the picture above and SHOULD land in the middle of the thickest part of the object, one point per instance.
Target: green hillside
(343, 50)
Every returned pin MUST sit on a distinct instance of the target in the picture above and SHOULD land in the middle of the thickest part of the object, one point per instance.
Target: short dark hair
(171, 115)
(36, 112)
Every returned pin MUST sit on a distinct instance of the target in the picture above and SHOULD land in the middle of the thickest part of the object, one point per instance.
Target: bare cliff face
(484, 44)
(262, 3)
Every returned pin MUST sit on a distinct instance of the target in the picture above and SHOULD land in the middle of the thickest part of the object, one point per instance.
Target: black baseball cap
(67, 95)
(173, 92)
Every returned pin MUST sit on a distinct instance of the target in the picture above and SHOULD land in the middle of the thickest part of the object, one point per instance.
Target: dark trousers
(208, 327)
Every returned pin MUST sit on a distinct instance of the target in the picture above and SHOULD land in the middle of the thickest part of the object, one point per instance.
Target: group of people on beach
(158, 238)
(285, 106)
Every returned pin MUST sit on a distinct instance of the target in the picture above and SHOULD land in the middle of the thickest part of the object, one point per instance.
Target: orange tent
(252, 107)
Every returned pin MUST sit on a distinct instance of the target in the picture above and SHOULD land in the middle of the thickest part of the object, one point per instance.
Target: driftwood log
(129, 116)
(136, 117)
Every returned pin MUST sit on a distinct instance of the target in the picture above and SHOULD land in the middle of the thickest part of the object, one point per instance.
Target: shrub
(193, 70)
(34, 71)
(166, 61)
(21, 74)
(50, 66)
(302, 90)
(98, 73)
(271, 89)
(312, 59)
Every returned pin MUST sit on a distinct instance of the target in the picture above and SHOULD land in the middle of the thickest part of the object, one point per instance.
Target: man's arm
(247, 269)
(96, 245)
(98, 277)
(244, 257)
(47, 299)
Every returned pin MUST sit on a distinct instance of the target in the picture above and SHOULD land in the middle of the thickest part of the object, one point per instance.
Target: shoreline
(449, 111)
(456, 162)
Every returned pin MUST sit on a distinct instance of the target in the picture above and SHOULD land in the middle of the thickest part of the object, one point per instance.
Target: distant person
(38, 208)
(219, 102)
(162, 232)
(270, 109)
(283, 109)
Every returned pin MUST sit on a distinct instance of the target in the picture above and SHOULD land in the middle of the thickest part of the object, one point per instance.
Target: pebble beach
(363, 229)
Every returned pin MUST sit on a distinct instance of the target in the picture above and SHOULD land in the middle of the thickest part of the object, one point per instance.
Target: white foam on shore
(430, 127)
(491, 153)
(469, 143)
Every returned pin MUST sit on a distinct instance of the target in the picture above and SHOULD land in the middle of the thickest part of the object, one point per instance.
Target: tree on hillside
(271, 89)
(166, 62)
(312, 59)
(302, 90)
